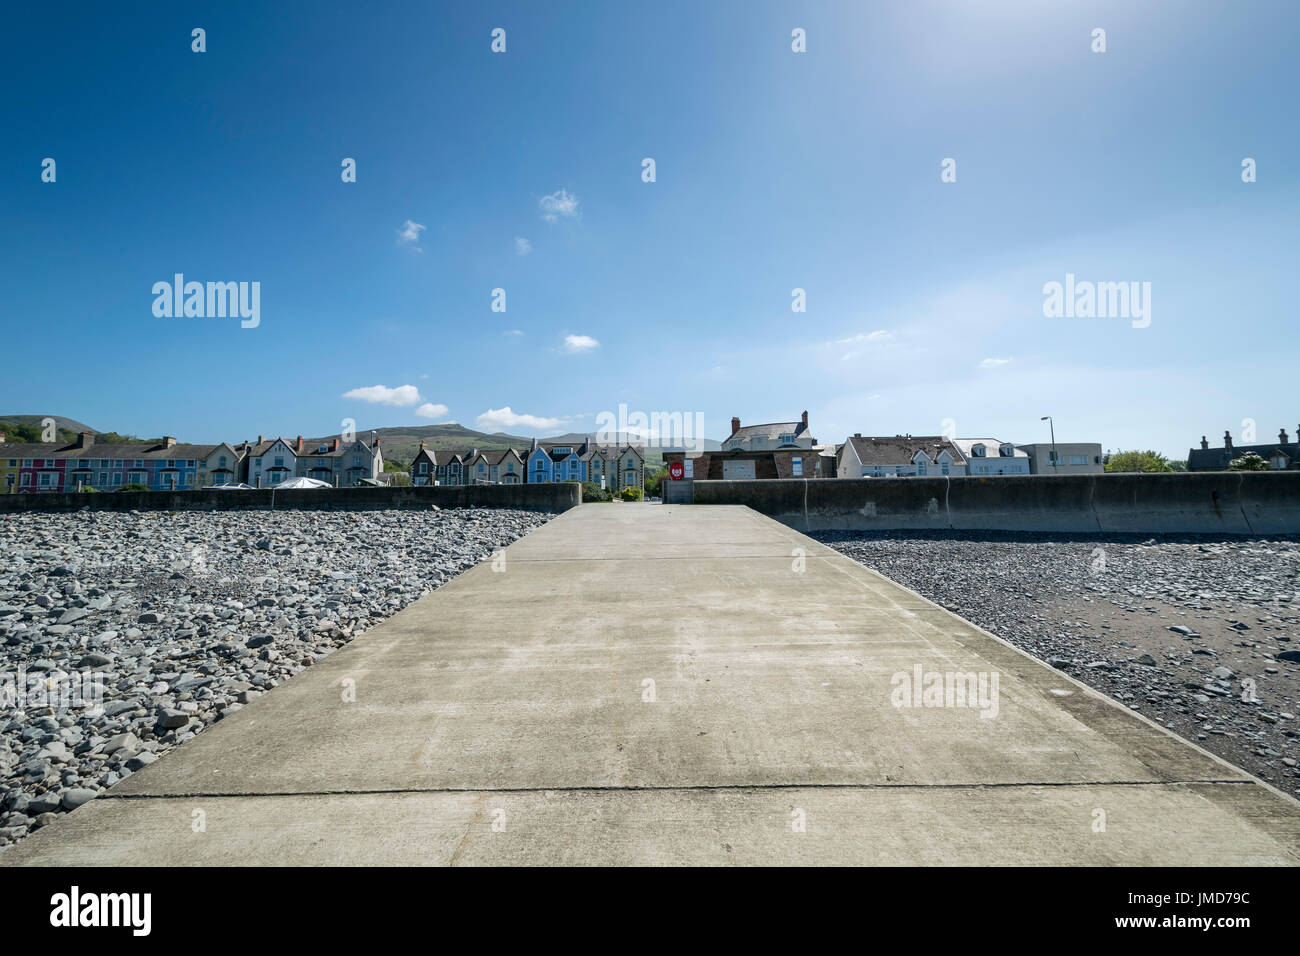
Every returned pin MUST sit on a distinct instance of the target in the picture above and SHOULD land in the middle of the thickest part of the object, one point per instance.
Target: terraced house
(272, 462)
(159, 466)
(430, 467)
(542, 462)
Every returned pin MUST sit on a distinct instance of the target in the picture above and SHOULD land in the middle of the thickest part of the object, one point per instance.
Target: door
(737, 470)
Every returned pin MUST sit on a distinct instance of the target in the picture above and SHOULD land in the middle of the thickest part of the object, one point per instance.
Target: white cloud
(410, 233)
(557, 204)
(877, 336)
(430, 410)
(499, 419)
(402, 396)
(513, 332)
(579, 343)
(994, 362)
(523, 246)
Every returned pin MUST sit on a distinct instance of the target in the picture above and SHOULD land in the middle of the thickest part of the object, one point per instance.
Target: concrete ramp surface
(642, 684)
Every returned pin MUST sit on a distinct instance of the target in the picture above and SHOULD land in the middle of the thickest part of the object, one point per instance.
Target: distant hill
(64, 424)
(402, 442)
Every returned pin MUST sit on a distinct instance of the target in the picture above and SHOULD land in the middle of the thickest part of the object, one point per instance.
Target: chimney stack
(376, 444)
(85, 439)
(735, 425)
(1281, 436)
(168, 441)
(1204, 443)
(259, 439)
(857, 434)
(1227, 440)
(805, 419)
(300, 444)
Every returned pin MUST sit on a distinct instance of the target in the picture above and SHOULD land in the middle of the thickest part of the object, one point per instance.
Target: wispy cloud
(430, 410)
(409, 234)
(579, 343)
(523, 246)
(499, 419)
(879, 335)
(994, 362)
(403, 396)
(559, 204)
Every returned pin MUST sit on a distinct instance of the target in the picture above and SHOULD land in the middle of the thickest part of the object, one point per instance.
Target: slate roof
(1217, 459)
(770, 430)
(900, 449)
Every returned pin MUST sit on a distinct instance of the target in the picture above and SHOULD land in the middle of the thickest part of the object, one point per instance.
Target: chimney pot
(1227, 440)
(735, 425)
(1282, 436)
(1204, 442)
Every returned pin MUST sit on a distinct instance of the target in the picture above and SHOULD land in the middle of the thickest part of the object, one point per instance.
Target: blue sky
(774, 171)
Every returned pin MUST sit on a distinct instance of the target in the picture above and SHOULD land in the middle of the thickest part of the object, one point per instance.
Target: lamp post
(1052, 425)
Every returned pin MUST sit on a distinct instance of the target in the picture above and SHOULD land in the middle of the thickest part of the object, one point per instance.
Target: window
(279, 462)
(139, 463)
(27, 462)
(1078, 459)
(944, 467)
(117, 478)
(117, 462)
(45, 479)
(27, 478)
(920, 468)
(787, 439)
(424, 467)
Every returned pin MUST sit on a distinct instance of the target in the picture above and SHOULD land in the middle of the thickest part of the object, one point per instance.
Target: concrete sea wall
(547, 496)
(1178, 502)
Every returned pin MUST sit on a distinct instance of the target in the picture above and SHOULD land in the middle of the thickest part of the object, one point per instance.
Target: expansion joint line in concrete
(669, 788)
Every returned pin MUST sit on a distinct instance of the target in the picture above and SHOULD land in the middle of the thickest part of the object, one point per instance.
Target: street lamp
(1052, 425)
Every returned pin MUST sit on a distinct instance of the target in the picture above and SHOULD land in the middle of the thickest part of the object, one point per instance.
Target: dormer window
(977, 450)
(787, 439)
(1007, 451)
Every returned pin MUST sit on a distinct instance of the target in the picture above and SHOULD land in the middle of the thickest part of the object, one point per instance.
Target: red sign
(676, 470)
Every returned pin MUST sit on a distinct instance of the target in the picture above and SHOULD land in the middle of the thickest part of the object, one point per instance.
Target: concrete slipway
(503, 720)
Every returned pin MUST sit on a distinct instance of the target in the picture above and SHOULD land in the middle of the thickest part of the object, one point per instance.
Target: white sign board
(689, 465)
(797, 463)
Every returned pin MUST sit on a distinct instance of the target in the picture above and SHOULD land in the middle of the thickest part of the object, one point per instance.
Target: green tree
(1248, 462)
(1148, 461)
(652, 482)
(593, 492)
